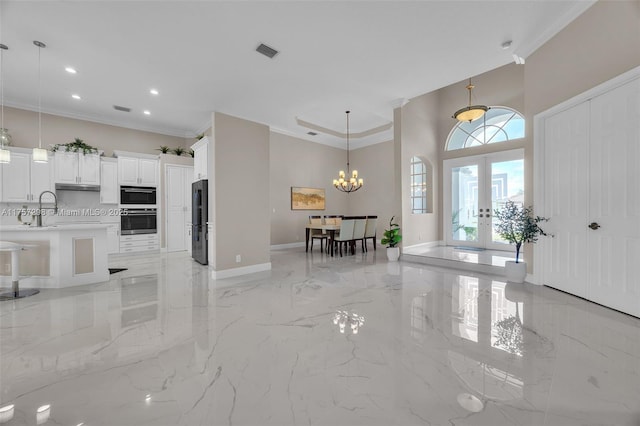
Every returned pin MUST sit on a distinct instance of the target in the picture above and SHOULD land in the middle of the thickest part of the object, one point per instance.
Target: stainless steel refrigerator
(199, 212)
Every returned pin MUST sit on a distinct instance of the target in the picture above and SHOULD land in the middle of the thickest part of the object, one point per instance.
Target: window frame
(481, 129)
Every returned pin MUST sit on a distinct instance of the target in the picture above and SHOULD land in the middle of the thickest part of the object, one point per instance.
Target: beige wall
(420, 138)
(376, 165)
(240, 183)
(23, 127)
(296, 162)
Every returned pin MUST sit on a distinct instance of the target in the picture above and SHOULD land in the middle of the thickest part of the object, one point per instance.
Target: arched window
(499, 124)
(421, 186)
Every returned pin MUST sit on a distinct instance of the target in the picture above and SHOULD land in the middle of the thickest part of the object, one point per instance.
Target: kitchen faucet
(55, 207)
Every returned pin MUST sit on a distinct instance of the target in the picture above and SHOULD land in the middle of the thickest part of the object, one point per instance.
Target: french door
(474, 187)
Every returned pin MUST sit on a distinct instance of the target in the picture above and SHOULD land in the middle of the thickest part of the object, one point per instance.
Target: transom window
(499, 124)
(419, 186)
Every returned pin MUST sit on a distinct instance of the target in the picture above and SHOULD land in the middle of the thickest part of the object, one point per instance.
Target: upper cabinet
(137, 171)
(23, 180)
(76, 168)
(200, 159)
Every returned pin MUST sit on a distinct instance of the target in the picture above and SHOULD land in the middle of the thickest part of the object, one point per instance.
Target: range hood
(76, 187)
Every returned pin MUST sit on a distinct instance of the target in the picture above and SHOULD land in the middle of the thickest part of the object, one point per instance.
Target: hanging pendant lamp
(471, 112)
(353, 183)
(39, 154)
(5, 154)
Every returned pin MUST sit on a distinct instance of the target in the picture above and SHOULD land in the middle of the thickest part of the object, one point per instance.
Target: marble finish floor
(460, 254)
(315, 341)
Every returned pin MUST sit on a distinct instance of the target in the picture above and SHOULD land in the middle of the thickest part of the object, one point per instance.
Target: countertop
(57, 227)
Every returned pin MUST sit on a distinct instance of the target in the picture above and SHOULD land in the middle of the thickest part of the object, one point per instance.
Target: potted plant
(178, 151)
(164, 149)
(517, 225)
(391, 238)
(78, 145)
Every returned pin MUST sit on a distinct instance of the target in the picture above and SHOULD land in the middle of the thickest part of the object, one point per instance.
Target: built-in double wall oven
(138, 210)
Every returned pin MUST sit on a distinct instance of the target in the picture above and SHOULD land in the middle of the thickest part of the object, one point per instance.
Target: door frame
(165, 207)
(483, 161)
(539, 121)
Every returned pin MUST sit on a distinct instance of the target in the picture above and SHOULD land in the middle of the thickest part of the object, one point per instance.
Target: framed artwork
(307, 198)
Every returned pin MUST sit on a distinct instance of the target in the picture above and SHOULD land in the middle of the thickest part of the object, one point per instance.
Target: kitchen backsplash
(73, 207)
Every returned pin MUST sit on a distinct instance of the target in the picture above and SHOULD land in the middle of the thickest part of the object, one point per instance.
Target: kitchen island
(58, 256)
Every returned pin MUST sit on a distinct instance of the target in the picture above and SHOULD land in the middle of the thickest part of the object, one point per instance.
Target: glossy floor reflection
(316, 341)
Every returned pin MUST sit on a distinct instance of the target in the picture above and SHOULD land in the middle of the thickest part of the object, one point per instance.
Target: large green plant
(518, 225)
(78, 145)
(391, 237)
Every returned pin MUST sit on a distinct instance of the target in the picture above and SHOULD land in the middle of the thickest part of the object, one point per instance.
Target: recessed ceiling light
(146, 112)
(154, 92)
(70, 70)
(74, 96)
(506, 45)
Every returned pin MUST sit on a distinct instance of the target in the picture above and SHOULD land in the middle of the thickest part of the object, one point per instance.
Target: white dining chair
(370, 231)
(346, 233)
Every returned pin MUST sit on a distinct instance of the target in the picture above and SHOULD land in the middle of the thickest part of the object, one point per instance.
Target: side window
(421, 186)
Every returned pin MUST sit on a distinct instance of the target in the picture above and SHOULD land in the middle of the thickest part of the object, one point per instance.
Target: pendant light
(471, 112)
(353, 184)
(5, 154)
(39, 153)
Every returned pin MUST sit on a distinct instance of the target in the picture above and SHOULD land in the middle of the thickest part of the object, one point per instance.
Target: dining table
(329, 229)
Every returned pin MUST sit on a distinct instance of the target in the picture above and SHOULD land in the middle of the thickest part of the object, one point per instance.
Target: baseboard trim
(243, 270)
(286, 246)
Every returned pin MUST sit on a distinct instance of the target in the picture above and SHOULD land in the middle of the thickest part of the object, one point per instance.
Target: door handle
(594, 225)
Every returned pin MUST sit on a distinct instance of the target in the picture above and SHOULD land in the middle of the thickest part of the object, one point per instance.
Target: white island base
(77, 255)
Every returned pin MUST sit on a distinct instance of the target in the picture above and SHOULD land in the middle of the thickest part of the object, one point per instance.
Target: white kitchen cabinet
(76, 168)
(113, 238)
(139, 243)
(137, 171)
(23, 180)
(108, 181)
(178, 206)
(188, 235)
(200, 159)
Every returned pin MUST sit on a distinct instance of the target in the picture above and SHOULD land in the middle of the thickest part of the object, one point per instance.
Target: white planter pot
(516, 272)
(393, 254)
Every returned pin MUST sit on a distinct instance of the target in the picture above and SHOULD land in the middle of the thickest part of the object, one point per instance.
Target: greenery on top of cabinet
(78, 145)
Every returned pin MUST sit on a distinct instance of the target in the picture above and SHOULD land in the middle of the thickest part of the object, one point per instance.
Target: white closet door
(175, 208)
(614, 201)
(566, 177)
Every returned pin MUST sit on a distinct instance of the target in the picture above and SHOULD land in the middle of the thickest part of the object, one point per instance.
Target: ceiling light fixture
(77, 97)
(471, 112)
(146, 112)
(71, 70)
(506, 45)
(39, 154)
(353, 184)
(5, 154)
(154, 92)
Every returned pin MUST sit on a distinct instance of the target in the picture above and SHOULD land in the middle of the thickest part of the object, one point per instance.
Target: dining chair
(346, 233)
(358, 232)
(370, 230)
(317, 234)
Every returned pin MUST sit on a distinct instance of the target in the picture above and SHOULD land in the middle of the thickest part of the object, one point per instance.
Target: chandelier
(342, 318)
(471, 112)
(353, 183)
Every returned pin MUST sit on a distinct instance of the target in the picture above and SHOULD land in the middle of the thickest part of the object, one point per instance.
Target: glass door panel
(464, 204)
(507, 184)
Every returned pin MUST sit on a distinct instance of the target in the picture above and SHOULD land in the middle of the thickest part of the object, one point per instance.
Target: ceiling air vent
(121, 108)
(312, 133)
(266, 50)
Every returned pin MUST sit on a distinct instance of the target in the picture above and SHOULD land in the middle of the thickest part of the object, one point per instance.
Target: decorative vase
(516, 272)
(393, 254)
(5, 137)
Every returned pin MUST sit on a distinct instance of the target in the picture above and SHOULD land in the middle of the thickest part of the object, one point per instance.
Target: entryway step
(473, 260)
